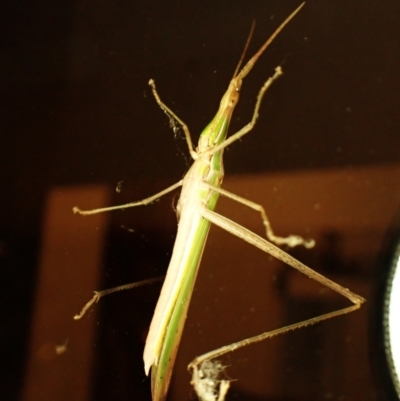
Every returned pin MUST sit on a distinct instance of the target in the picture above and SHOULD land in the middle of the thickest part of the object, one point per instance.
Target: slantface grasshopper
(201, 188)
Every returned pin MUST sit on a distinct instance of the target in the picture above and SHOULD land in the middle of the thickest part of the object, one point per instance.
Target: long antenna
(246, 46)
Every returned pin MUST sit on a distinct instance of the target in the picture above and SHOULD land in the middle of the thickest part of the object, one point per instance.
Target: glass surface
(79, 121)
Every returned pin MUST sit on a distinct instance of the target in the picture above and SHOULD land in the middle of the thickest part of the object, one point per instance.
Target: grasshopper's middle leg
(290, 240)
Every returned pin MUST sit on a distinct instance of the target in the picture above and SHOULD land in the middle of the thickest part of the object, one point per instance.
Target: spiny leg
(259, 242)
(276, 252)
(261, 337)
(142, 202)
(290, 240)
(172, 116)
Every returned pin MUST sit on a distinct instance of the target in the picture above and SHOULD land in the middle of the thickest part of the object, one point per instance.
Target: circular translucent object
(392, 320)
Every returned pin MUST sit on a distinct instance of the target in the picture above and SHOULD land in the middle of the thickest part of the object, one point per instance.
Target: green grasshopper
(201, 188)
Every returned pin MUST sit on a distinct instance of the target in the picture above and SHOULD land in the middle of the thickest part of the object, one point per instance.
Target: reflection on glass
(391, 317)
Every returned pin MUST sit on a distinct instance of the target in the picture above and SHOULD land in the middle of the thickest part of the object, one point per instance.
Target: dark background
(76, 110)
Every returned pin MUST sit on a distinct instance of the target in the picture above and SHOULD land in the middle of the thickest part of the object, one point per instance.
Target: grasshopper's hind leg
(212, 390)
